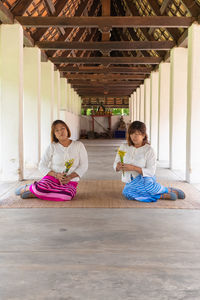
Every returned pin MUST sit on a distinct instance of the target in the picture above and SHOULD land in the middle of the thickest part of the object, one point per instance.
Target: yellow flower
(121, 155)
(68, 164)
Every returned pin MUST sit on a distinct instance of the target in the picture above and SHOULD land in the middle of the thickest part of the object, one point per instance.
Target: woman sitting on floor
(137, 161)
(62, 165)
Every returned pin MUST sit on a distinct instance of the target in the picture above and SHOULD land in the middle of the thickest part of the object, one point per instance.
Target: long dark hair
(137, 126)
(56, 122)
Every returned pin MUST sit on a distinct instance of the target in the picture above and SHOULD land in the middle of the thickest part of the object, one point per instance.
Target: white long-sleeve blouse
(143, 157)
(56, 155)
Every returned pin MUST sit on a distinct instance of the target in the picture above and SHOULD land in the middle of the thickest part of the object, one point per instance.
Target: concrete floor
(100, 254)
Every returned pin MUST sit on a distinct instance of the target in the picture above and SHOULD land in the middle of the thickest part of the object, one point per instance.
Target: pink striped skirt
(49, 188)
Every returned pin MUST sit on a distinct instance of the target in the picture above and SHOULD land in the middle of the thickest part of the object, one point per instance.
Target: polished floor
(99, 254)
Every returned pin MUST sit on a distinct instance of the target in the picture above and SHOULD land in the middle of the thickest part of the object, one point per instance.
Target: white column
(193, 112)
(163, 113)
(56, 102)
(80, 102)
(178, 107)
(131, 108)
(147, 102)
(11, 101)
(138, 104)
(142, 102)
(63, 94)
(72, 100)
(32, 79)
(69, 93)
(154, 111)
(134, 106)
(47, 95)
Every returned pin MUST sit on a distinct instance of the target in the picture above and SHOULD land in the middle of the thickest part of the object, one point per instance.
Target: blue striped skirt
(144, 189)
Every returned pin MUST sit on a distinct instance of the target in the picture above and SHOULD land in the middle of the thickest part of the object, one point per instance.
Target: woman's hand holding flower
(65, 179)
(119, 166)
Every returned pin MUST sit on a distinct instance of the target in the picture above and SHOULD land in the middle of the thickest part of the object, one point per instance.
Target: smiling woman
(62, 165)
(139, 166)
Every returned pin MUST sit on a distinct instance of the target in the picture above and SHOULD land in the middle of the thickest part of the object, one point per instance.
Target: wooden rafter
(80, 10)
(101, 94)
(108, 82)
(106, 76)
(164, 6)
(148, 34)
(100, 70)
(6, 16)
(21, 6)
(131, 31)
(192, 7)
(125, 46)
(107, 60)
(110, 22)
(60, 5)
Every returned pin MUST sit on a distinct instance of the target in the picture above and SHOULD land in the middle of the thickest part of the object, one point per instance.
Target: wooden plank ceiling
(105, 48)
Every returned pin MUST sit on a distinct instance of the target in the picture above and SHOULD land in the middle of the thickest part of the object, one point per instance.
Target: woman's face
(60, 132)
(137, 138)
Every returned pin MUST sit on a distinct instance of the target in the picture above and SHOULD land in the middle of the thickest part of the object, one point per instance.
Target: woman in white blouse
(139, 166)
(62, 165)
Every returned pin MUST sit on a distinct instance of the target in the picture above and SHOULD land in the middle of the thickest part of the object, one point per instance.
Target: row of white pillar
(32, 95)
(169, 104)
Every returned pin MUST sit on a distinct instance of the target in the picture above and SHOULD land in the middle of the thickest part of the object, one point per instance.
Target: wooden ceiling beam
(107, 60)
(105, 12)
(106, 76)
(6, 16)
(101, 83)
(110, 22)
(130, 31)
(164, 6)
(121, 46)
(174, 32)
(108, 85)
(80, 9)
(50, 6)
(59, 6)
(135, 70)
(114, 94)
(112, 105)
(51, 11)
(68, 31)
(21, 6)
(192, 7)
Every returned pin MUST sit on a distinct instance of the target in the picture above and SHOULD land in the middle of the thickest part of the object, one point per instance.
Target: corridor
(99, 253)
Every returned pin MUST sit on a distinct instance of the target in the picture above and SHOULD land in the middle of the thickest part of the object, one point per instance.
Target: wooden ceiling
(105, 48)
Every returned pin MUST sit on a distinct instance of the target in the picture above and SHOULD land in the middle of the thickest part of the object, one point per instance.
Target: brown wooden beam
(192, 7)
(104, 70)
(110, 22)
(112, 105)
(164, 6)
(106, 76)
(107, 95)
(105, 12)
(5, 15)
(107, 60)
(80, 10)
(110, 46)
(21, 7)
(50, 6)
(127, 91)
(100, 83)
(59, 6)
